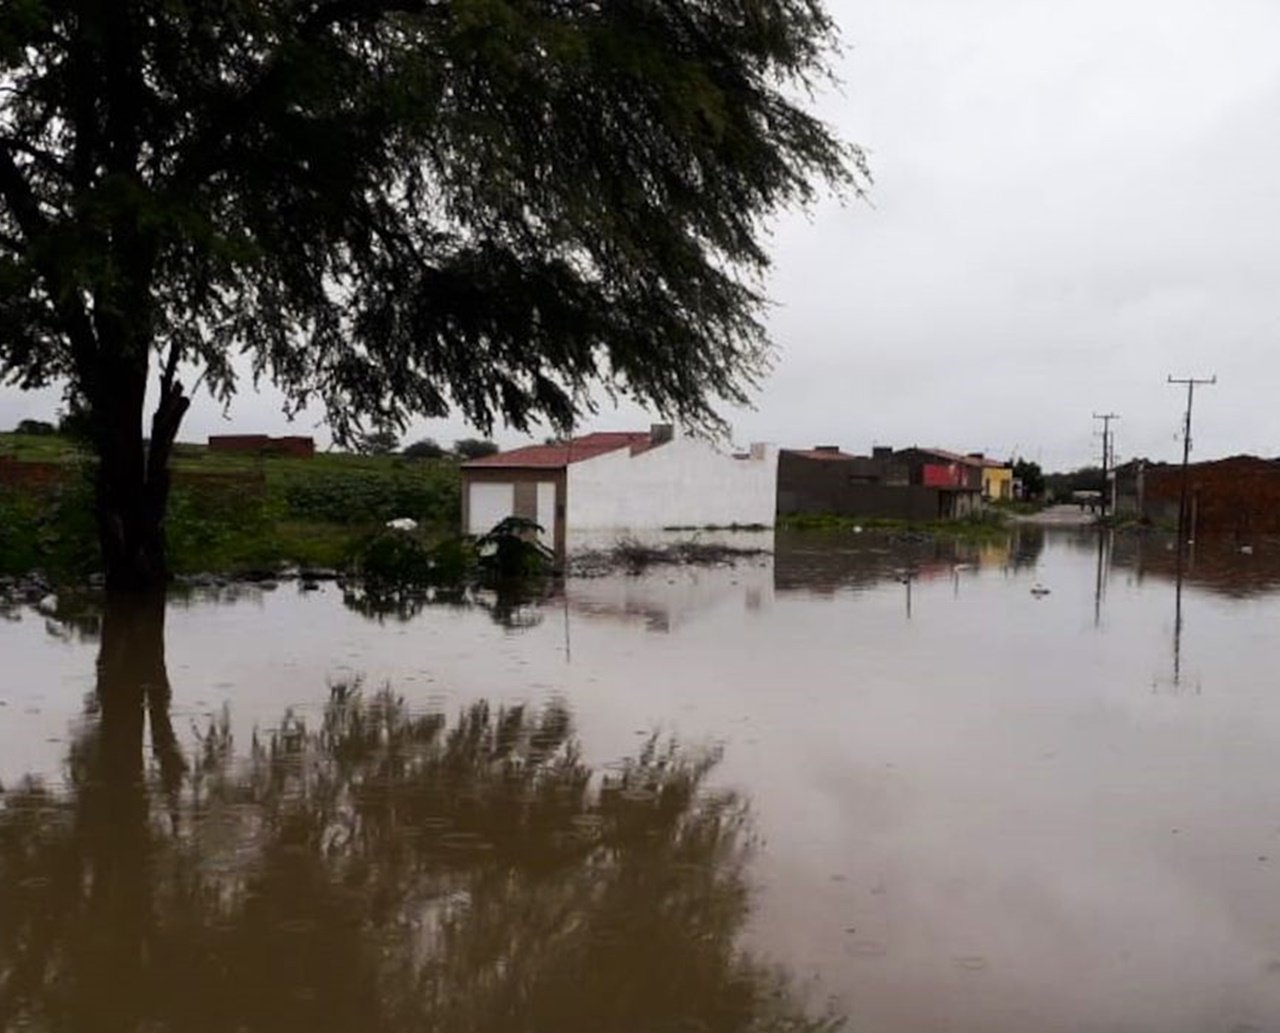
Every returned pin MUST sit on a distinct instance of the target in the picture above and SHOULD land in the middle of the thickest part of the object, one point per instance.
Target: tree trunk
(112, 970)
(132, 488)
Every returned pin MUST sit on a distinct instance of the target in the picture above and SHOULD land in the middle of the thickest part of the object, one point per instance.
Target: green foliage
(429, 495)
(379, 443)
(229, 513)
(40, 448)
(473, 448)
(395, 208)
(1031, 476)
(1086, 478)
(511, 551)
(49, 529)
(395, 558)
(36, 428)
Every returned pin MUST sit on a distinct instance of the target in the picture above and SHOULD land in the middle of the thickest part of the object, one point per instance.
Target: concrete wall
(683, 483)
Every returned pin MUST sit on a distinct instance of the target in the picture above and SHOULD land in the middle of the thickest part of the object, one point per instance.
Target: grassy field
(227, 513)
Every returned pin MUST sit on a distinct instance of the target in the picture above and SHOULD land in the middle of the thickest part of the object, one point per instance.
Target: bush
(366, 496)
(473, 448)
(399, 559)
(512, 552)
(51, 530)
(38, 428)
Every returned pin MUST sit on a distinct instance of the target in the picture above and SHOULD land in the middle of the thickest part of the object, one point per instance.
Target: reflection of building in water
(1216, 565)
(666, 597)
(827, 562)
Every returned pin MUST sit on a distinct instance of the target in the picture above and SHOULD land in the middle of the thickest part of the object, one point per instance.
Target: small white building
(621, 483)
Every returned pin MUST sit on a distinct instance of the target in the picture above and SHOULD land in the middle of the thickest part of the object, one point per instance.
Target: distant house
(997, 479)
(957, 477)
(911, 484)
(623, 482)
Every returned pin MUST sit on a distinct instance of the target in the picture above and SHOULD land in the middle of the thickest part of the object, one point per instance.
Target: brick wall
(1239, 495)
(22, 475)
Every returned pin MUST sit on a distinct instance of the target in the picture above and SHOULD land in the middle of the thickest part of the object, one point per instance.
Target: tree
(426, 448)
(378, 443)
(474, 448)
(392, 208)
(1031, 476)
(1086, 478)
(38, 428)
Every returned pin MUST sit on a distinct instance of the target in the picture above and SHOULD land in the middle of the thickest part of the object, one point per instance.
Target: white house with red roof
(623, 483)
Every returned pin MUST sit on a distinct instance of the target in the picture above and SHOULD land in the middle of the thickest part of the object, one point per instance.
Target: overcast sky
(1072, 201)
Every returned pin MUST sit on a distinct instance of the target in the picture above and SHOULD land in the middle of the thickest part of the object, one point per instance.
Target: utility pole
(1108, 453)
(1191, 383)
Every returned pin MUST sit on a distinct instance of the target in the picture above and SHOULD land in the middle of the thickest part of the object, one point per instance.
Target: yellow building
(997, 480)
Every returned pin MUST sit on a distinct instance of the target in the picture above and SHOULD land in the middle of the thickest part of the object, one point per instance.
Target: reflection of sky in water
(999, 813)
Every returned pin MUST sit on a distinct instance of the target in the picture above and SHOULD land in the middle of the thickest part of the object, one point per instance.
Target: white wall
(685, 482)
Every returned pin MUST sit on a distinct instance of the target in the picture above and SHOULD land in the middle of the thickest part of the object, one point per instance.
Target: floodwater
(866, 780)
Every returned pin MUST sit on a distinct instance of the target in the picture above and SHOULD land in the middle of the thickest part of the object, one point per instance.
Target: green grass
(229, 513)
(33, 448)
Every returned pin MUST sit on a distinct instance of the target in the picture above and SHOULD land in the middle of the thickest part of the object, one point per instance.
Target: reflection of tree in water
(513, 606)
(382, 870)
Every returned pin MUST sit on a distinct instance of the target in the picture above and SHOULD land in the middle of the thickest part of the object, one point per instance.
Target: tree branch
(40, 157)
(200, 157)
(170, 368)
(19, 196)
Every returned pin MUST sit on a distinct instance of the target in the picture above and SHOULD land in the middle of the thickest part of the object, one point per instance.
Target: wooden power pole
(1191, 383)
(1108, 454)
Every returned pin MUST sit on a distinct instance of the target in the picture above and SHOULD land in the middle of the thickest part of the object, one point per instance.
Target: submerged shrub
(394, 557)
(511, 551)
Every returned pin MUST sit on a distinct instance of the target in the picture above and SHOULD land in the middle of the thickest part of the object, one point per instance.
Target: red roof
(553, 457)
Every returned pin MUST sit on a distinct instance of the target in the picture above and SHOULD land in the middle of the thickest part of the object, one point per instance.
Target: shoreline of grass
(987, 526)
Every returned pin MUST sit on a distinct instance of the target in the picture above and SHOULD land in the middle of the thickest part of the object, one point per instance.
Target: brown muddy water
(862, 780)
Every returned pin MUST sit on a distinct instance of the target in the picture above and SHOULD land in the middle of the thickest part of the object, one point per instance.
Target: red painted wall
(943, 475)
